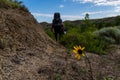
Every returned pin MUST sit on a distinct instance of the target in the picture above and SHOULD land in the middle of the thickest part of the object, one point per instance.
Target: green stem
(90, 66)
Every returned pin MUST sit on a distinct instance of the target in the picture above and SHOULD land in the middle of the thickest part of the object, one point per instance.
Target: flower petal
(83, 48)
(75, 51)
(78, 57)
(75, 47)
(79, 47)
(83, 54)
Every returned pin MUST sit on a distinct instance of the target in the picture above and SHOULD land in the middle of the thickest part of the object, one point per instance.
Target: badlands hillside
(27, 53)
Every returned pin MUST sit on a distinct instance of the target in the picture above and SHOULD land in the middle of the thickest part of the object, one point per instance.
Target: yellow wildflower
(78, 51)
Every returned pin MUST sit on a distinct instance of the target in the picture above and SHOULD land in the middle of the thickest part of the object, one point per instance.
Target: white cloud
(106, 12)
(100, 2)
(61, 6)
(71, 17)
(42, 15)
(48, 17)
(117, 9)
(112, 15)
(114, 3)
(64, 17)
(101, 14)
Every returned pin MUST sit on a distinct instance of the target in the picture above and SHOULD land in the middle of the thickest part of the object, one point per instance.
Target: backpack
(57, 22)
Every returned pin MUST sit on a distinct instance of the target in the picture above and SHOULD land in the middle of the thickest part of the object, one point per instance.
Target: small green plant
(108, 78)
(50, 33)
(68, 51)
(57, 77)
(2, 43)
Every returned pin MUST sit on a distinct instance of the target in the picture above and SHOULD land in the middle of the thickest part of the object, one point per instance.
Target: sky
(43, 10)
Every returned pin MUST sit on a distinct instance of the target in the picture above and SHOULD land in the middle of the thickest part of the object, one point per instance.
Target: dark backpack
(57, 22)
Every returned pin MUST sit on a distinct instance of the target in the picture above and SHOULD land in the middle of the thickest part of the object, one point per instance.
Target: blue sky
(43, 10)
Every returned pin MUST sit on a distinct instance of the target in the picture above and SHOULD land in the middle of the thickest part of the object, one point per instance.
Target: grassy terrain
(95, 38)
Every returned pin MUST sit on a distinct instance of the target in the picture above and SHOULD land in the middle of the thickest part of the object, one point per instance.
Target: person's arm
(62, 24)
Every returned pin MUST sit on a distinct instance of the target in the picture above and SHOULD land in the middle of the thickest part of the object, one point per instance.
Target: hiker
(57, 25)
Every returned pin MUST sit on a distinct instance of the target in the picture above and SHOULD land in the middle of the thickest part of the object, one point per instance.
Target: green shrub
(118, 27)
(87, 39)
(12, 4)
(3, 3)
(50, 33)
(69, 40)
(93, 44)
(110, 34)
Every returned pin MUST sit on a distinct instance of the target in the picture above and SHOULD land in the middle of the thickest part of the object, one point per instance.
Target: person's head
(57, 15)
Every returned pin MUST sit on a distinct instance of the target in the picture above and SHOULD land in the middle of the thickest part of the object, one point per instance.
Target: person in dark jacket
(57, 25)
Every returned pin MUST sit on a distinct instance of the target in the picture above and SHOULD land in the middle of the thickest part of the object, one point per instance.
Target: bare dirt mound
(27, 53)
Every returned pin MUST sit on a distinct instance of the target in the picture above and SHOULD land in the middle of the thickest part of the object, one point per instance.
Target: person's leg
(60, 34)
(55, 33)
(55, 36)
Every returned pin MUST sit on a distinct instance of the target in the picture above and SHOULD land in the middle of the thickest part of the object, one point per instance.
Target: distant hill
(103, 22)
(45, 25)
